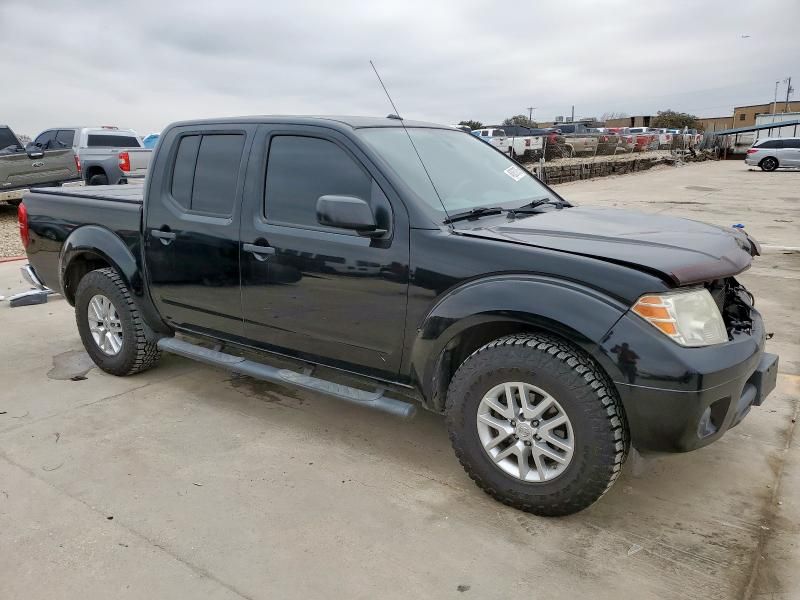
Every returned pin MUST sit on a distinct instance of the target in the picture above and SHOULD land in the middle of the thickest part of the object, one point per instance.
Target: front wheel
(110, 325)
(536, 424)
(769, 164)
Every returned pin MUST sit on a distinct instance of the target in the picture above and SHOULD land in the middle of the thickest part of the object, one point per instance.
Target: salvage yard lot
(186, 482)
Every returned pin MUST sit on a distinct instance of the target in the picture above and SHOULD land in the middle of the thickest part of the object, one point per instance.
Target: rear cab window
(108, 140)
(205, 173)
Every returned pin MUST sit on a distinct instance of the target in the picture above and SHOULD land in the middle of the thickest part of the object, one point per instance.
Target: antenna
(396, 115)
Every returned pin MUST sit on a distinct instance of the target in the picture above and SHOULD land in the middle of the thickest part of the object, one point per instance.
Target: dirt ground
(186, 482)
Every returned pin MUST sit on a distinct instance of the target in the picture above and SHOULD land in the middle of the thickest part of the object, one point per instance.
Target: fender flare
(95, 241)
(580, 314)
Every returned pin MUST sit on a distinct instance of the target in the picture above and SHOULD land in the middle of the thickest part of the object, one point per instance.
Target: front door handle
(165, 237)
(261, 253)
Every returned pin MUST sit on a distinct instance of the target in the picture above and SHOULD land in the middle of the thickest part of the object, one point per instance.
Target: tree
(520, 120)
(674, 120)
(472, 124)
(24, 139)
(607, 116)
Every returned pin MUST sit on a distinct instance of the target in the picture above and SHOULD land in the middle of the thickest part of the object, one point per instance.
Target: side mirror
(347, 212)
(34, 151)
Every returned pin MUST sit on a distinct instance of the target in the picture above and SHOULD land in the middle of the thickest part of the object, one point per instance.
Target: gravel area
(10, 244)
(577, 160)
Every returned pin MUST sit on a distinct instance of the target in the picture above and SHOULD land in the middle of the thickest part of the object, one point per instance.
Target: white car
(773, 153)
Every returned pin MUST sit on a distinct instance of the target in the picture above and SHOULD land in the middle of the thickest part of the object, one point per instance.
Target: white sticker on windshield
(514, 172)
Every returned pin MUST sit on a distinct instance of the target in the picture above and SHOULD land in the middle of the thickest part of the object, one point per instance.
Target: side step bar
(237, 364)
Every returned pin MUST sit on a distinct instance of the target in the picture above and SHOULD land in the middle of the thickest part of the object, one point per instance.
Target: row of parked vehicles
(573, 139)
(94, 155)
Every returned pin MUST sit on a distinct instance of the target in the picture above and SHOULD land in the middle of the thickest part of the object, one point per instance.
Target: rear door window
(104, 140)
(205, 174)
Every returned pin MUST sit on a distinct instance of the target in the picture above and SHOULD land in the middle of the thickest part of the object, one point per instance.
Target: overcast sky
(144, 64)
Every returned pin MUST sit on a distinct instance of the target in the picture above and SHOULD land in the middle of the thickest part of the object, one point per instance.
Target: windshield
(467, 173)
(7, 138)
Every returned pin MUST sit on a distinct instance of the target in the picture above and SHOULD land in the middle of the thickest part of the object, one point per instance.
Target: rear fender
(505, 304)
(96, 243)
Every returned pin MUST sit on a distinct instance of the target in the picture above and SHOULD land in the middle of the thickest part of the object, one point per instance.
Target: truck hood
(680, 250)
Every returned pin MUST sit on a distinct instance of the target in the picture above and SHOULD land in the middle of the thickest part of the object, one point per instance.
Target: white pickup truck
(106, 155)
(514, 140)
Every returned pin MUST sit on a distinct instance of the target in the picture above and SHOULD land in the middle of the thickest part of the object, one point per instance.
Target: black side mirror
(34, 151)
(347, 212)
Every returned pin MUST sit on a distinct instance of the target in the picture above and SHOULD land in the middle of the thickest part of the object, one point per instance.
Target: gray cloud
(144, 64)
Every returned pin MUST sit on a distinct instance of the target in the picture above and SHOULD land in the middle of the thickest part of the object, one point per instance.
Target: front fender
(580, 314)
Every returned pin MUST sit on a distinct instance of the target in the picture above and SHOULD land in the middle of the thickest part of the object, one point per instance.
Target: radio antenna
(421, 162)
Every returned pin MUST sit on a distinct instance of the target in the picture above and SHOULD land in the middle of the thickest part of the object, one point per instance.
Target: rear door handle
(165, 237)
(261, 253)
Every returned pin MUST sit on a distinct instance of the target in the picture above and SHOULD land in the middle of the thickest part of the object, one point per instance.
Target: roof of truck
(353, 122)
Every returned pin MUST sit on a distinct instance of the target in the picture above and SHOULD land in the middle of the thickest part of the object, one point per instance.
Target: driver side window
(300, 170)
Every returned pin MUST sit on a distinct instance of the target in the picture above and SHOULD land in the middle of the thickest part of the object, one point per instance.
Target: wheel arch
(479, 312)
(92, 247)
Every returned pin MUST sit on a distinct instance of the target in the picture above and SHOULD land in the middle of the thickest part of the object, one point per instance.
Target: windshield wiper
(475, 213)
(531, 207)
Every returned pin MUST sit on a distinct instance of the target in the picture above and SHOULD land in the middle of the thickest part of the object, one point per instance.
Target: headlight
(691, 317)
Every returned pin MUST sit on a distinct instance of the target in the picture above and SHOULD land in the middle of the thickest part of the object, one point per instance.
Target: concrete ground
(185, 482)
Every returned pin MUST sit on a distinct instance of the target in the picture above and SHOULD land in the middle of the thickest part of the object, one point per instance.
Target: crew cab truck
(439, 272)
(23, 168)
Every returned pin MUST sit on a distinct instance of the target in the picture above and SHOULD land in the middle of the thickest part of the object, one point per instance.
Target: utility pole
(573, 113)
(789, 91)
(775, 100)
(530, 113)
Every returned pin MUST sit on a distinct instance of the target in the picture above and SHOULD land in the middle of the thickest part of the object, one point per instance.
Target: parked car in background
(774, 153)
(664, 138)
(25, 168)
(106, 155)
(645, 138)
(149, 141)
(495, 136)
(523, 142)
(579, 139)
(608, 142)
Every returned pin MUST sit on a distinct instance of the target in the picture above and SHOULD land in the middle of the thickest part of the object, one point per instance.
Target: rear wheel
(768, 164)
(110, 325)
(536, 424)
(98, 179)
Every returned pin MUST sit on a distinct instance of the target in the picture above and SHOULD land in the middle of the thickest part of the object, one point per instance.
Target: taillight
(78, 163)
(527, 142)
(125, 162)
(752, 150)
(24, 231)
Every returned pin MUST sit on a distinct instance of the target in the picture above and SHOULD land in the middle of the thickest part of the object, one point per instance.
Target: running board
(375, 400)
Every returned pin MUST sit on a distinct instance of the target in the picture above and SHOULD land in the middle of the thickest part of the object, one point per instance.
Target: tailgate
(20, 171)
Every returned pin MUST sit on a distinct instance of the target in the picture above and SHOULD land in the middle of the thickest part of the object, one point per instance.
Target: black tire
(137, 352)
(98, 179)
(768, 164)
(584, 392)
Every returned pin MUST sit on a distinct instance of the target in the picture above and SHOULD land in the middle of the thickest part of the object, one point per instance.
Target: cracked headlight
(689, 317)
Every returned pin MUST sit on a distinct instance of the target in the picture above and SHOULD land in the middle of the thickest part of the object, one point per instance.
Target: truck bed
(54, 213)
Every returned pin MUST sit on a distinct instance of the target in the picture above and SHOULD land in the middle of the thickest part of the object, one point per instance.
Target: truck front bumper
(679, 399)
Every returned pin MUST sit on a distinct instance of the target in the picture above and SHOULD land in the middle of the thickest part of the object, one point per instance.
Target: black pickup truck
(400, 263)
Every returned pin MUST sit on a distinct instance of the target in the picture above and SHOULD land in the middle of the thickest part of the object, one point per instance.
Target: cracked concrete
(184, 482)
